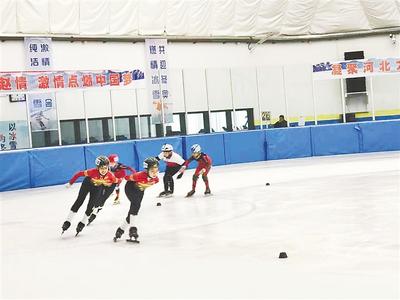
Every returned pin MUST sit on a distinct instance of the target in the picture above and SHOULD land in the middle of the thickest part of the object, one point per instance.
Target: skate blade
(133, 241)
(208, 195)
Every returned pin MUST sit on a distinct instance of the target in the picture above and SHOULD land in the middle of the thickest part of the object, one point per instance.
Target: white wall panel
(11, 110)
(97, 103)
(219, 89)
(8, 16)
(298, 86)
(70, 105)
(64, 16)
(271, 89)
(175, 87)
(195, 89)
(123, 102)
(33, 16)
(244, 87)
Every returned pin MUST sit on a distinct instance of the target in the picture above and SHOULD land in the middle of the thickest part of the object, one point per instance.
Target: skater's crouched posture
(93, 184)
(134, 190)
(118, 169)
(174, 163)
(203, 168)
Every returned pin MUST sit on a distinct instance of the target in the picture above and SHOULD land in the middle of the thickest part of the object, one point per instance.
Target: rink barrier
(288, 143)
(212, 144)
(152, 147)
(335, 139)
(50, 166)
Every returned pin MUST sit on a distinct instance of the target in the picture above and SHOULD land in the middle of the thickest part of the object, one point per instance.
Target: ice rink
(337, 218)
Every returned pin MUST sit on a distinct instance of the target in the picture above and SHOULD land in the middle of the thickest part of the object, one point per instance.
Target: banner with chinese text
(54, 80)
(38, 53)
(14, 135)
(356, 68)
(157, 81)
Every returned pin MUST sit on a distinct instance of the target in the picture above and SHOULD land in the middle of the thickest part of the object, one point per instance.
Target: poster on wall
(157, 81)
(13, 135)
(42, 112)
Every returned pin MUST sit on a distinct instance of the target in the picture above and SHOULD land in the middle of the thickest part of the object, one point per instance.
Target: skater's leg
(206, 182)
(83, 191)
(171, 171)
(135, 196)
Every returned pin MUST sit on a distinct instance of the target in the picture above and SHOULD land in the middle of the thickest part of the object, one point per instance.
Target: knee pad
(195, 177)
(205, 178)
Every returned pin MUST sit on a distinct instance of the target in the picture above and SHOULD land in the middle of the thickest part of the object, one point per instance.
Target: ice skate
(207, 192)
(65, 226)
(118, 234)
(91, 218)
(190, 194)
(133, 234)
(79, 228)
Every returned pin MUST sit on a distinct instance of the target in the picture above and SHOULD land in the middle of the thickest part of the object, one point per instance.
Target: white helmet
(167, 147)
(195, 148)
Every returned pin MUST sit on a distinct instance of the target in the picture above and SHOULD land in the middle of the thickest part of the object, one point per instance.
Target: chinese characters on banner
(42, 108)
(157, 80)
(356, 68)
(38, 53)
(50, 80)
(13, 135)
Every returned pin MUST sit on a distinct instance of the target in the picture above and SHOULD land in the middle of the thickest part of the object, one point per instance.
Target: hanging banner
(38, 53)
(42, 112)
(356, 68)
(13, 135)
(55, 80)
(157, 81)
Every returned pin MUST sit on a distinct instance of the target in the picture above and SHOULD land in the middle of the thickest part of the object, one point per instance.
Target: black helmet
(150, 162)
(102, 161)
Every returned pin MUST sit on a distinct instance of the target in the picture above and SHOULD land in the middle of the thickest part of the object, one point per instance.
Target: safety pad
(152, 147)
(246, 146)
(380, 136)
(55, 165)
(125, 151)
(211, 144)
(335, 139)
(14, 170)
(285, 143)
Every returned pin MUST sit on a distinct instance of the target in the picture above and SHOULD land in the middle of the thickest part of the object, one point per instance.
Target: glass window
(218, 122)
(125, 128)
(178, 127)
(147, 129)
(198, 123)
(100, 130)
(73, 132)
(244, 119)
(45, 138)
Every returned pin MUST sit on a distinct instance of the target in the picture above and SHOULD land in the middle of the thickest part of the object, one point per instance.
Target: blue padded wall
(14, 170)
(380, 136)
(288, 143)
(125, 151)
(55, 165)
(335, 139)
(244, 146)
(152, 147)
(211, 144)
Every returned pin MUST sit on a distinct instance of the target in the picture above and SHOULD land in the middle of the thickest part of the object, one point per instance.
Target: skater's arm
(76, 176)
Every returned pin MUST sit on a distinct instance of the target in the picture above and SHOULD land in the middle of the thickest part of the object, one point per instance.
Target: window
(45, 138)
(198, 122)
(244, 119)
(73, 132)
(147, 129)
(100, 130)
(178, 126)
(125, 128)
(221, 121)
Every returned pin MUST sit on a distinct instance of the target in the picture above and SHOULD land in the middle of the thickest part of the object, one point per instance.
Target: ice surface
(336, 217)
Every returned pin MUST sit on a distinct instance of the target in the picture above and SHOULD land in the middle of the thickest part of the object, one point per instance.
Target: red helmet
(113, 158)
